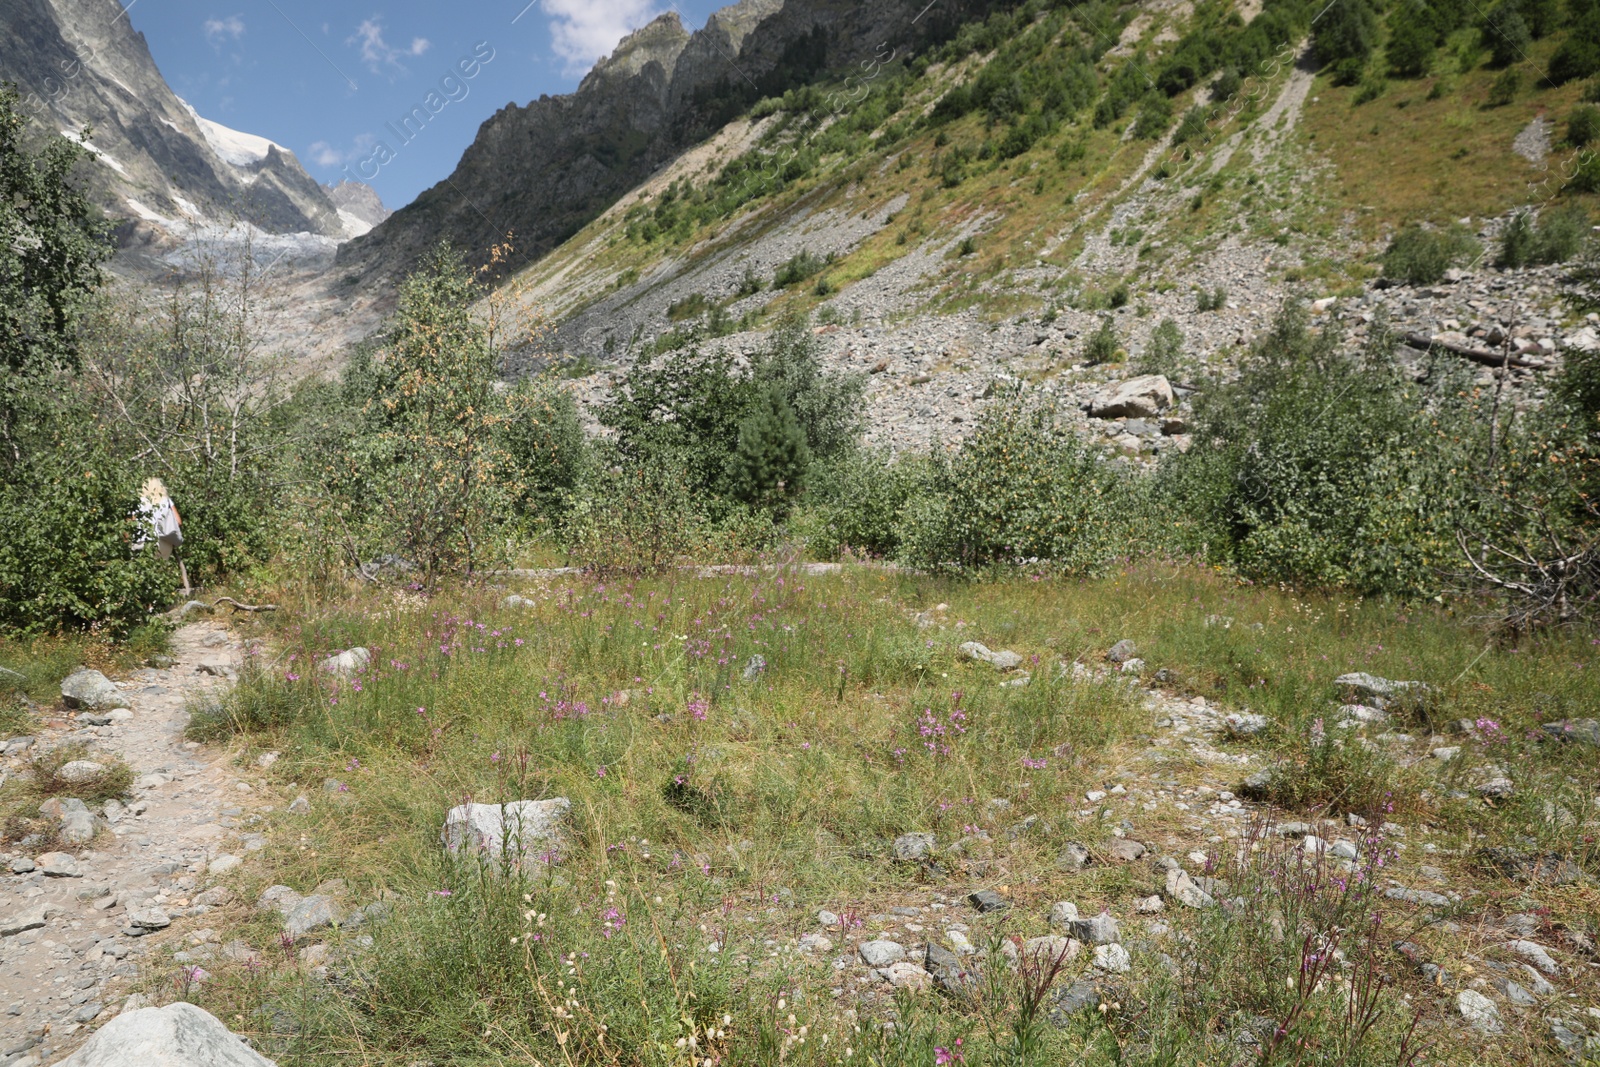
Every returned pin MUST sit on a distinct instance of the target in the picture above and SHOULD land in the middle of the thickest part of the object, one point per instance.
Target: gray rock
(987, 900)
(59, 865)
(309, 914)
(1258, 785)
(149, 919)
(1371, 687)
(1181, 888)
(1536, 954)
(903, 974)
(1246, 724)
(1063, 913)
(1537, 983)
(79, 770)
(1515, 993)
(514, 602)
(1125, 850)
(1580, 731)
(300, 806)
(347, 662)
(1096, 930)
(22, 865)
(92, 690)
(947, 969)
(71, 820)
(28, 919)
(523, 831)
(755, 667)
(913, 848)
(1122, 651)
(1000, 661)
(1074, 997)
(881, 953)
(1074, 857)
(814, 944)
(1497, 788)
(1051, 950)
(1479, 1011)
(1113, 959)
(1141, 397)
(1425, 897)
(178, 1035)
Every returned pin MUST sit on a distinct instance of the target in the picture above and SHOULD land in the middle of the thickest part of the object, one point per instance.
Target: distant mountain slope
(544, 170)
(162, 166)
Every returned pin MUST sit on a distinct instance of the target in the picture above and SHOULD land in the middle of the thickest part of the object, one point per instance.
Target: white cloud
(221, 30)
(582, 31)
(324, 154)
(378, 53)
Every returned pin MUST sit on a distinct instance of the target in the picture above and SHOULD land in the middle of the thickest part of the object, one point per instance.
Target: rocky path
(80, 930)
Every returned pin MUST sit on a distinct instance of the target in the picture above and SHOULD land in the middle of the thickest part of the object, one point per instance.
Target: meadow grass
(713, 815)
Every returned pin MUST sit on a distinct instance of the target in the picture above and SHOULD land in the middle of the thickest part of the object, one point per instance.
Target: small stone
(1536, 982)
(1515, 993)
(1063, 913)
(1446, 752)
(987, 900)
(149, 919)
(1050, 951)
(1496, 788)
(827, 918)
(30, 919)
(1425, 897)
(22, 865)
(913, 848)
(59, 865)
(300, 805)
(515, 602)
(1246, 724)
(1096, 930)
(1113, 959)
(1095, 796)
(1125, 850)
(348, 662)
(1181, 888)
(814, 944)
(1000, 661)
(1077, 996)
(903, 974)
(74, 825)
(310, 914)
(961, 942)
(1073, 857)
(1536, 954)
(1121, 652)
(1579, 731)
(1150, 905)
(755, 667)
(880, 953)
(1478, 1010)
(223, 864)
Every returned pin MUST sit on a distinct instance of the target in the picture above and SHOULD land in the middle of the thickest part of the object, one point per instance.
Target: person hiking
(160, 522)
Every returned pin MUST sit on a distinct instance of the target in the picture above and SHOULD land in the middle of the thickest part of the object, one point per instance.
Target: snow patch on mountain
(239, 149)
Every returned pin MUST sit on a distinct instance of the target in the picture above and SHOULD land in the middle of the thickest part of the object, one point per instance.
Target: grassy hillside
(718, 809)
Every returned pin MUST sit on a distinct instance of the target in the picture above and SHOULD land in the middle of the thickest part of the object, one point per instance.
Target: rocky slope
(162, 168)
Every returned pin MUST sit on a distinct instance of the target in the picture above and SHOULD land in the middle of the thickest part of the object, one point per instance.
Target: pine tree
(768, 468)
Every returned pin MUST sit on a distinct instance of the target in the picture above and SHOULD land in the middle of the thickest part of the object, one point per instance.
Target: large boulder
(1136, 398)
(523, 830)
(178, 1035)
(92, 690)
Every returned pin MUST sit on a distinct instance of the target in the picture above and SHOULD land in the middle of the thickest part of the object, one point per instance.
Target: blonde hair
(154, 491)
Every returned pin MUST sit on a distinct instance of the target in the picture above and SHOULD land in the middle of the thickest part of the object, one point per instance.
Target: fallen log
(243, 607)
(1422, 342)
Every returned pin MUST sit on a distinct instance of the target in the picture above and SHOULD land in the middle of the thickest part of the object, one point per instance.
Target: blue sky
(331, 79)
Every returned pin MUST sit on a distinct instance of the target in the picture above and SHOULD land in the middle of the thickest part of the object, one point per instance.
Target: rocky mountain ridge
(543, 170)
(162, 169)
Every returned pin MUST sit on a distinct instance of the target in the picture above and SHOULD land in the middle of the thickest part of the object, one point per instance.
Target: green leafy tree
(424, 475)
(1345, 35)
(768, 467)
(1506, 34)
(1411, 43)
(67, 499)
